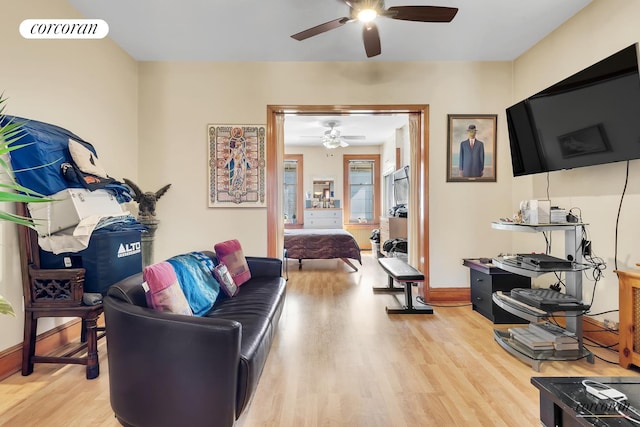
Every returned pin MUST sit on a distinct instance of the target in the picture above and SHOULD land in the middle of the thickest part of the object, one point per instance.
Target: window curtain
(413, 223)
(279, 183)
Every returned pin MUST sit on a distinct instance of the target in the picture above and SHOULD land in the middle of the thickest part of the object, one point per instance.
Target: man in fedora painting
(471, 155)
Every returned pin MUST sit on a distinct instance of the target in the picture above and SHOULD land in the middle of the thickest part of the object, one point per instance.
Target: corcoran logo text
(64, 29)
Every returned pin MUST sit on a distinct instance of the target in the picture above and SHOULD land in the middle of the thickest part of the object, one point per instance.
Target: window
(292, 189)
(362, 188)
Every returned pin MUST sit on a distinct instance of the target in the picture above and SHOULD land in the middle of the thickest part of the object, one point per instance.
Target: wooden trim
(449, 295)
(377, 186)
(274, 196)
(423, 155)
(11, 358)
(299, 158)
(275, 227)
(596, 331)
(398, 158)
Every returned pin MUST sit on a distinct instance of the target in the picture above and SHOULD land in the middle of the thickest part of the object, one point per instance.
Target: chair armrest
(264, 267)
(170, 369)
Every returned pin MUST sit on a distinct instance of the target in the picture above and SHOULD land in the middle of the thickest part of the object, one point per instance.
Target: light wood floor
(339, 360)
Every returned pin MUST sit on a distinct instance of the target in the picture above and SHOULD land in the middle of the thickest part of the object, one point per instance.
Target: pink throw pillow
(164, 292)
(230, 254)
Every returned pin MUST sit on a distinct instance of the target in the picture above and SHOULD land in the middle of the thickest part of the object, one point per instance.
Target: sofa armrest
(264, 267)
(168, 369)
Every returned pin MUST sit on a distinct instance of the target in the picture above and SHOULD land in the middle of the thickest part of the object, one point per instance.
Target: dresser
(323, 218)
(487, 279)
(392, 227)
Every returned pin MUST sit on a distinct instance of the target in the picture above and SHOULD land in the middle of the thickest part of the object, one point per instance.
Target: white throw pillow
(86, 161)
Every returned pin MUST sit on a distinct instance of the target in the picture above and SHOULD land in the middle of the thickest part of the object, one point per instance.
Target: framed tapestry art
(237, 165)
(471, 147)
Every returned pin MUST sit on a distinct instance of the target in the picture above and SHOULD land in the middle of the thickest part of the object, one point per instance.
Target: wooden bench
(402, 272)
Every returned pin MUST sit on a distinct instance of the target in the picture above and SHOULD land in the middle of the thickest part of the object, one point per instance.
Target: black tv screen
(401, 186)
(587, 119)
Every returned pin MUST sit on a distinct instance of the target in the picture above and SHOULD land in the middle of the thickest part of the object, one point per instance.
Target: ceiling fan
(333, 138)
(367, 10)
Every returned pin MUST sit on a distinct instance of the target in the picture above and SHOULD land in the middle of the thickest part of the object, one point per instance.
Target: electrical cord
(604, 312)
(604, 347)
(579, 214)
(421, 300)
(624, 190)
(548, 198)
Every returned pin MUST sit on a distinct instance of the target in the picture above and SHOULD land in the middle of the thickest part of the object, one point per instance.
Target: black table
(565, 402)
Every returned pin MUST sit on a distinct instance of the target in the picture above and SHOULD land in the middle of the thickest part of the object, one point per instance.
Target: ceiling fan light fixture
(333, 142)
(367, 15)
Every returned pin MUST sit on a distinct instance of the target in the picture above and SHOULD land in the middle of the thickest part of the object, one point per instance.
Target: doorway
(419, 173)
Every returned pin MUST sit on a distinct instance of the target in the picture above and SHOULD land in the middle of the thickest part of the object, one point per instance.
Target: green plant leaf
(5, 307)
(11, 132)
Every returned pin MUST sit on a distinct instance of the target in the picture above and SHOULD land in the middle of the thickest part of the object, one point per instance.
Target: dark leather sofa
(173, 370)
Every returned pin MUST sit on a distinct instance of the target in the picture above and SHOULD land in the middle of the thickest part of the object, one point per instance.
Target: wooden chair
(55, 293)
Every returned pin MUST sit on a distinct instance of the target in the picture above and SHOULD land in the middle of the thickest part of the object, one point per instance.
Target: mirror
(323, 189)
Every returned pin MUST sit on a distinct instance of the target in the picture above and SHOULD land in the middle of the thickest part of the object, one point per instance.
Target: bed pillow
(221, 272)
(86, 160)
(163, 291)
(230, 254)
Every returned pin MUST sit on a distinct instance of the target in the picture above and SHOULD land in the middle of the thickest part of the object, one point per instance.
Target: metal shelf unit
(573, 284)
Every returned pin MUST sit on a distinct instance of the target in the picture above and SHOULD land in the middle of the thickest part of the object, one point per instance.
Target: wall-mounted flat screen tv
(401, 186)
(587, 119)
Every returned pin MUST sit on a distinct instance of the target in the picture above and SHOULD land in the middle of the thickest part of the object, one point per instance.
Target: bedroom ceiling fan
(366, 11)
(333, 138)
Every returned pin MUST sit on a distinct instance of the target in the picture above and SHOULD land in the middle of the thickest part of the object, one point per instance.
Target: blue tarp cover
(37, 166)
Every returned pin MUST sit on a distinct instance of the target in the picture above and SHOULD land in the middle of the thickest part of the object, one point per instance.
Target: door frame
(275, 165)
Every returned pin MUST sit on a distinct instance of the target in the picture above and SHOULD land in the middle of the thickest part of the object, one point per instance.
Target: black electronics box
(111, 256)
(544, 261)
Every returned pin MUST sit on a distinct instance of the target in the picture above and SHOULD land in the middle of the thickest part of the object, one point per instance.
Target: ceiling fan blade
(422, 13)
(371, 39)
(319, 29)
(354, 137)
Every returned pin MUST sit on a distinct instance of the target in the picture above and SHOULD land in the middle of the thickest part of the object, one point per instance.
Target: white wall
(88, 87)
(599, 30)
(178, 100)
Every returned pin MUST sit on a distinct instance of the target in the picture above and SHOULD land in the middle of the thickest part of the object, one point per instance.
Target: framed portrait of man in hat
(471, 147)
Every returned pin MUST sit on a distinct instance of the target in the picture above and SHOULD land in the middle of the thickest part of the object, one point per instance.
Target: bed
(305, 243)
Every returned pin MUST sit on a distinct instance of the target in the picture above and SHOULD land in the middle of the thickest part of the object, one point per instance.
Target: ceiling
(259, 30)
(253, 30)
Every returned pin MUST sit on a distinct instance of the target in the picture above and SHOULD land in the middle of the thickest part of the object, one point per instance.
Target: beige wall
(88, 87)
(148, 122)
(178, 100)
(599, 30)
